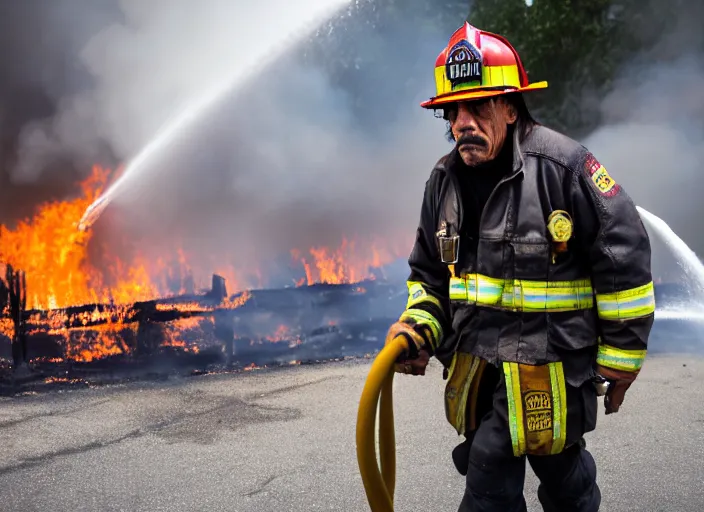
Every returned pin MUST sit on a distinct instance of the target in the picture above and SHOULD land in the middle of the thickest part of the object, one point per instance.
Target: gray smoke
(313, 147)
(652, 141)
(289, 159)
(148, 66)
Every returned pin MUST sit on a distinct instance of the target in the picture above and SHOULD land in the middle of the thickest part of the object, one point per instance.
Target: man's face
(479, 128)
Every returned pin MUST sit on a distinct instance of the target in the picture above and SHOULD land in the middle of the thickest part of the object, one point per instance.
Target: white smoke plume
(150, 65)
(652, 142)
(281, 163)
(287, 160)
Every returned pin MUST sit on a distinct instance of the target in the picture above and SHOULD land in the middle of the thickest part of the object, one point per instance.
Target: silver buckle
(449, 249)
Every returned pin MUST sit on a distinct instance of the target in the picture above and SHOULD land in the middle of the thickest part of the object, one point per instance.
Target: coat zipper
(460, 205)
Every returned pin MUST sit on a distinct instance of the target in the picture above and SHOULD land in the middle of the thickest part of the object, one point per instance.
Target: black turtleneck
(478, 182)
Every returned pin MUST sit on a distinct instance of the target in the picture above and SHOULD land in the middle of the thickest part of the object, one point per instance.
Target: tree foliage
(381, 52)
(581, 46)
(560, 41)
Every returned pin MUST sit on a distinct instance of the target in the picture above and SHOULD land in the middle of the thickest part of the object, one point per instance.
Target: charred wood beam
(311, 299)
(225, 332)
(4, 296)
(154, 311)
(101, 314)
(17, 287)
(218, 289)
(116, 310)
(149, 333)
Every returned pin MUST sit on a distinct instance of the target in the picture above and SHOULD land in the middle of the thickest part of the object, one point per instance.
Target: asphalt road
(283, 440)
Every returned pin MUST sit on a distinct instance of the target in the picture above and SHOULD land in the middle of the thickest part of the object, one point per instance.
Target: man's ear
(448, 134)
(511, 113)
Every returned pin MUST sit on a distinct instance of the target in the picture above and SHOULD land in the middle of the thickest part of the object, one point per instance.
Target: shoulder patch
(600, 177)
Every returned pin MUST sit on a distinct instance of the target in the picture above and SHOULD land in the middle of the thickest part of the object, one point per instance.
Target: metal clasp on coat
(449, 248)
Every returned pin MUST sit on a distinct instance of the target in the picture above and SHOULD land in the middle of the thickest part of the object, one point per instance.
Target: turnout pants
(495, 474)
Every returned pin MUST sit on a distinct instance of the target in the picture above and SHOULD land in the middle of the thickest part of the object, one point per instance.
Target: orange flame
(97, 343)
(349, 263)
(54, 255)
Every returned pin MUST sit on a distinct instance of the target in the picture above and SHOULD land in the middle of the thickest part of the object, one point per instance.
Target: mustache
(471, 139)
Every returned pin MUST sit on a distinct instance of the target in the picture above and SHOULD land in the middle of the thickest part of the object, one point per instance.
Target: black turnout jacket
(559, 271)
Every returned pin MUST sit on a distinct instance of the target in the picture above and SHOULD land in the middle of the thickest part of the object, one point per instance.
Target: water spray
(259, 56)
(686, 257)
(161, 141)
(690, 264)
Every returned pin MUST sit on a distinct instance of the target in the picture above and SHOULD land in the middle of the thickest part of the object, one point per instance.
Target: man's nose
(466, 119)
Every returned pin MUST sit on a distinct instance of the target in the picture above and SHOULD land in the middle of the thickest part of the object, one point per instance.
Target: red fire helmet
(477, 64)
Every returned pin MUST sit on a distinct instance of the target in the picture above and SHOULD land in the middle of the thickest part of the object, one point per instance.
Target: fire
(6, 327)
(62, 380)
(54, 255)
(285, 333)
(173, 333)
(282, 333)
(236, 301)
(349, 263)
(87, 346)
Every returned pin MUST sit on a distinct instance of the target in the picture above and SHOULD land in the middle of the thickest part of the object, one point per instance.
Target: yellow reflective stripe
(551, 295)
(618, 359)
(492, 76)
(424, 318)
(458, 289)
(495, 76)
(485, 290)
(537, 408)
(559, 407)
(627, 304)
(521, 294)
(464, 397)
(417, 294)
(515, 408)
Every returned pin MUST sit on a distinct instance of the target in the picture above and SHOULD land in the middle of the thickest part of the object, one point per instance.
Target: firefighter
(530, 279)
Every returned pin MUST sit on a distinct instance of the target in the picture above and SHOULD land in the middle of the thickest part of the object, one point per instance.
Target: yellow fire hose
(378, 391)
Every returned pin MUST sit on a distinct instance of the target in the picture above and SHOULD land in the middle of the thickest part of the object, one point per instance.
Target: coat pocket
(531, 260)
(572, 330)
(461, 391)
(537, 408)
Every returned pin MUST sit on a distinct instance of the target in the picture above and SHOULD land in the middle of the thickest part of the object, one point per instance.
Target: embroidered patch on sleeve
(603, 182)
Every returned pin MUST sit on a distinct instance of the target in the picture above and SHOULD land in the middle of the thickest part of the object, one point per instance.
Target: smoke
(146, 67)
(323, 140)
(39, 43)
(652, 135)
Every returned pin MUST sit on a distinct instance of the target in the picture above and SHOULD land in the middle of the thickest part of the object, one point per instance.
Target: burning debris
(245, 330)
(13, 301)
(61, 312)
(66, 267)
(70, 320)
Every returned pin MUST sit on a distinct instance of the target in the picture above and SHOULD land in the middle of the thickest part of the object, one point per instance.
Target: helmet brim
(477, 94)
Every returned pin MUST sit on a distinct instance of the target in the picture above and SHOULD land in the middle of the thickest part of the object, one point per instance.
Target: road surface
(284, 440)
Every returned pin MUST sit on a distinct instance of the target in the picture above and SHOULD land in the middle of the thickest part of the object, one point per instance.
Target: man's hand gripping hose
(403, 352)
(617, 383)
